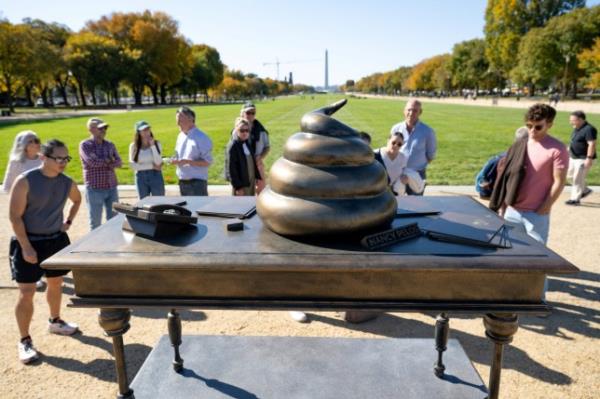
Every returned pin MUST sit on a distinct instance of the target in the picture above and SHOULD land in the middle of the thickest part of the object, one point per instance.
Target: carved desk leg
(499, 328)
(174, 322)
(115, 323)
(442, 329)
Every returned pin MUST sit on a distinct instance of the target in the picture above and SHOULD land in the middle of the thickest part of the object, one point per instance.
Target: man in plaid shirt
(99, 158)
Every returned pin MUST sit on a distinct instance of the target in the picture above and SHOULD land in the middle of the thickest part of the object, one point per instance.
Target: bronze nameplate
(390, 237)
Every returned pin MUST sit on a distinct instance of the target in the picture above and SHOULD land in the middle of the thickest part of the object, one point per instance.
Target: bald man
(420, 143)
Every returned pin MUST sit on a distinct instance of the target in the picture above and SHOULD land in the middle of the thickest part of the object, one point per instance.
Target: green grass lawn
(467, 136)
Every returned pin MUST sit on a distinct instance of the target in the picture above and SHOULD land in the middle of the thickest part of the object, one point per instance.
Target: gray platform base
(302, 367)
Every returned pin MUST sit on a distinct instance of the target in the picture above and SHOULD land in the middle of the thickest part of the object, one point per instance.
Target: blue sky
(362, 37)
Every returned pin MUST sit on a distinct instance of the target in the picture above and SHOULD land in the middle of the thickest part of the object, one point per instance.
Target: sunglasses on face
(33, 141)
(250, 113)
(244, 130)
(537, 128)
(66, 159)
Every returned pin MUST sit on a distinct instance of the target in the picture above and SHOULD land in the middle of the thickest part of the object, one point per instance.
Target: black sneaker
(586, 192)
(572, 202)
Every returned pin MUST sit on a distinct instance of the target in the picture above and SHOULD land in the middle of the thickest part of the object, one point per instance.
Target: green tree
(549, 54)
(589, 61)
(16, 53)
(507, 21)
(468, 65)
(96, 62)
(50, 69)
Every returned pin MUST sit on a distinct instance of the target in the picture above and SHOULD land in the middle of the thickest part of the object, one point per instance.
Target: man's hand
(587, 163)
(404, 179)
(65, 227)
(181, 162)
(239, 192)
(30, 255)
(544, 209)
(158, 167)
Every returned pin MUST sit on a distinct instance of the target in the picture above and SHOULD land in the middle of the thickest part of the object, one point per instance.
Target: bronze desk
(209, 267)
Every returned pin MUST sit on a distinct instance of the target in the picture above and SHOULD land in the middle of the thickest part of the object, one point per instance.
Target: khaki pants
(578, 172)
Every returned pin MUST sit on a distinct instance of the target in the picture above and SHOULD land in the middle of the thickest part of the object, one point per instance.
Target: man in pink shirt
(546, 165)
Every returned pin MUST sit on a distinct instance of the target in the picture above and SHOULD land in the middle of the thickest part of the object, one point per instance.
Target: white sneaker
(61, 327)
(27, 352)
(300, 317)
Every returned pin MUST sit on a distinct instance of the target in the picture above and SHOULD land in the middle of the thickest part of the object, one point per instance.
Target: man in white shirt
(193, 155)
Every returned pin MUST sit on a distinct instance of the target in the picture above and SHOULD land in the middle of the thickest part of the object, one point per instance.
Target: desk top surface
(208, 245)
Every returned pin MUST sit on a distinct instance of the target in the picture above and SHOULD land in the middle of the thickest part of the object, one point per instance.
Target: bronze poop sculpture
(327, 182)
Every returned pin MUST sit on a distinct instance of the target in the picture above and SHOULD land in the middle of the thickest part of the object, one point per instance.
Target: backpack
(486, 178)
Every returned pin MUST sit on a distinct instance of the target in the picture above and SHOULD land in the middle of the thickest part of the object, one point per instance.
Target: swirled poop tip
(327, 182)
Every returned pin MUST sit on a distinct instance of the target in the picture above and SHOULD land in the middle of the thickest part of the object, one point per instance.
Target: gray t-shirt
(45, 202)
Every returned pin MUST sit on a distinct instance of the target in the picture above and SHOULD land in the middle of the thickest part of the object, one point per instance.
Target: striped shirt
(99, 162)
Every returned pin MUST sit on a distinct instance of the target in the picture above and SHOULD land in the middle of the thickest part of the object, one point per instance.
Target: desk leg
(174, 323)
(499, 328)
(442, 329)
(115, 323)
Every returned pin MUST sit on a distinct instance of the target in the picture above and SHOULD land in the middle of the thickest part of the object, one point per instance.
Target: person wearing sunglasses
(534, 175)
(23, 156)
(258, 141)
(99, 158)
(400, 177)
(420, 143)
(36, 212)
(240, 163)
(145, 160)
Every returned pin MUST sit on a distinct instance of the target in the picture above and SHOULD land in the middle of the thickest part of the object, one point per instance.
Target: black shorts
(25, 272)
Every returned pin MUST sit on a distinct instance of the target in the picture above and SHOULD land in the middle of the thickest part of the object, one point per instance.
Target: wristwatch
(69, 221)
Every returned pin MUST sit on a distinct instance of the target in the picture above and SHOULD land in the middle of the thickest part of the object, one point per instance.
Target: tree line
(529, 45)
(119, 55)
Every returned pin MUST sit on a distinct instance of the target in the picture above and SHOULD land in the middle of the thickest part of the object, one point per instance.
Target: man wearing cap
(420, 143)
(192, 154)
(99, 158)
(259, 141)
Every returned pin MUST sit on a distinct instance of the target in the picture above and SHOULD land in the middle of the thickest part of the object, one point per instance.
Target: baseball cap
(141, 125)
(248, 105)
(96, 122)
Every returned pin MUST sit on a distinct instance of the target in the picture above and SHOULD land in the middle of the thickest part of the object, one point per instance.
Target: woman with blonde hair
(145, 160)
(240, 164)
(24, 156)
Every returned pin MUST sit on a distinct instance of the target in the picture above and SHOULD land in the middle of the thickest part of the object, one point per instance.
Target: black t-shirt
(579, 141)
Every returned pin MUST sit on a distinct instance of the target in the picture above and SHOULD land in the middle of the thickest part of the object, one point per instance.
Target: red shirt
(99, 162)
(543, 157)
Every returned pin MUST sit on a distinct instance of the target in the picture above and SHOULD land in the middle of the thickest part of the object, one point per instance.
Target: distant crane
(277, 63)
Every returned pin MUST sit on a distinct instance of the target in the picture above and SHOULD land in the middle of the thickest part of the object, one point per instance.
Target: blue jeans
(197, 187)
(96, 199)
(149, 182)
(536, 226)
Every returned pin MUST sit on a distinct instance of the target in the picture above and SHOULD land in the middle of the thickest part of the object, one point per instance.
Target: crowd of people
(527, 180)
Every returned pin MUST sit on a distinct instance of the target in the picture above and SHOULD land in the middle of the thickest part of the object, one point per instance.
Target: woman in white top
(145, 160)
(394, 162)
(24, 156)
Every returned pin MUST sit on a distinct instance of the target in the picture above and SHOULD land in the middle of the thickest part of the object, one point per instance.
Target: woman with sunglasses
(240, 165)
(145, 160)
(394, 162)
(24, 156)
